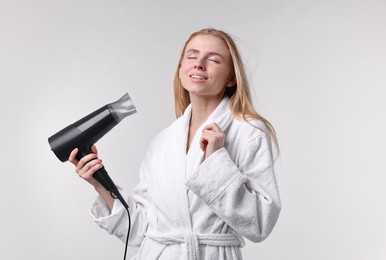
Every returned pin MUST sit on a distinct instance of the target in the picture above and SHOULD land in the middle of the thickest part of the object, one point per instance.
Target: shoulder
(165, 133)
(249, 130)
(248, 140)
(248, 137)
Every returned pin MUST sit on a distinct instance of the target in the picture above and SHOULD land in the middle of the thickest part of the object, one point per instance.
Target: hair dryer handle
(103, 178)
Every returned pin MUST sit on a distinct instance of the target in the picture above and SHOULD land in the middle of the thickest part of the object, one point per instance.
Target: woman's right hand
(87, 166)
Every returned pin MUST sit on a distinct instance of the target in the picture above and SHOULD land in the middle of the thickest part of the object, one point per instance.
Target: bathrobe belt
(192, 240)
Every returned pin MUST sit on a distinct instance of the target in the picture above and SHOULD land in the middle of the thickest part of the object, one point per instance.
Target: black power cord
(120, 198)
(128, 233)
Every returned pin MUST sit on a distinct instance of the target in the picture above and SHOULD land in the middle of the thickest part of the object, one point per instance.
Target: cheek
(185, 65)
(223, 76)
(181, 76)
(181, 70)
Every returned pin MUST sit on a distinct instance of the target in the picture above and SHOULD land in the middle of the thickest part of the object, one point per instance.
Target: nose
(199, 65)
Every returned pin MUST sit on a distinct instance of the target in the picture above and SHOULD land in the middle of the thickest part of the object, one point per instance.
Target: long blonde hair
(240, 98)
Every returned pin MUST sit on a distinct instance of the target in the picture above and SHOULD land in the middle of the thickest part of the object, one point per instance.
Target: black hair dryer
(87, 131)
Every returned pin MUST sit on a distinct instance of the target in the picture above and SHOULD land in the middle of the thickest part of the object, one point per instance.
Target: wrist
(97, 186)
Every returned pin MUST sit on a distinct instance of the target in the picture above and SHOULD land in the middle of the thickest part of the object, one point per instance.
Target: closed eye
(215, 61)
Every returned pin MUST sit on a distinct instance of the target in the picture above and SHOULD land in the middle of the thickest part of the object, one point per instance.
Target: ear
(231, 82)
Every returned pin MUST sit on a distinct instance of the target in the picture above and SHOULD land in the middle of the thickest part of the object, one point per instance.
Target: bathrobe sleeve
(116, 222)
(245, 195)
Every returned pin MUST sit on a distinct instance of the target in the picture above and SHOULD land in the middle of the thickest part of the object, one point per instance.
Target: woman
(207, 180)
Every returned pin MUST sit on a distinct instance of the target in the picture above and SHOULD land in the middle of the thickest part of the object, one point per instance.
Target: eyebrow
(210, 53)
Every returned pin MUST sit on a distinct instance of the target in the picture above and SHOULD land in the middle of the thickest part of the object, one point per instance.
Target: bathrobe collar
(222, 116)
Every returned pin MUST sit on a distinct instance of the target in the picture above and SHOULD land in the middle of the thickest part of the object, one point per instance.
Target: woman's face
(205, 69)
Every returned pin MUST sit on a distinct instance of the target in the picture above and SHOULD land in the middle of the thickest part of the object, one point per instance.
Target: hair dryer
(87, 131)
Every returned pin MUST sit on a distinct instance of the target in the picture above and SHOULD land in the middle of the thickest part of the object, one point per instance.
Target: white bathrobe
(185, 207)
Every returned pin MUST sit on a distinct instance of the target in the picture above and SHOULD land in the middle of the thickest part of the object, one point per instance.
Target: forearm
(105, 194)
(247, 201)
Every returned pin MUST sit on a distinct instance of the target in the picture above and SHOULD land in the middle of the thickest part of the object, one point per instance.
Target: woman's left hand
(212, 139)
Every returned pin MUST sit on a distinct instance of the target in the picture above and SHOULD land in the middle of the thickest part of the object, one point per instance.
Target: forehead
(208, 44)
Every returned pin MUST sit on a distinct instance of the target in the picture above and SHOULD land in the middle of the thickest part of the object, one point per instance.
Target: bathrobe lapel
(176, 166)
(222, 117)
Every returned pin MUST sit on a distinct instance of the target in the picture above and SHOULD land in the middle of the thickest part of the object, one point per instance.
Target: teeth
(196, 77)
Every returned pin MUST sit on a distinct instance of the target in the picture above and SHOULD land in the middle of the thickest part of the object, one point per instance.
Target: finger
(88, 176)
(94, 149)
(203, 144)
(208, 137)
(86, 159)
(213, 139)
(210, 132)
(213, 136)
(72, 157)
(213, 127)
(90, 156)
(89, 166)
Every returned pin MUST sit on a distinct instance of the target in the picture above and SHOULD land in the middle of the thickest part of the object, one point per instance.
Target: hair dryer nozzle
(122, 107)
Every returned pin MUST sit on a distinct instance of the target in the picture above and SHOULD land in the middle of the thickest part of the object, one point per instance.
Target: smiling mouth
(198, 77)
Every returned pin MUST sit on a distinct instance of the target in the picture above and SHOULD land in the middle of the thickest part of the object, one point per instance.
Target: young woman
(208, 179)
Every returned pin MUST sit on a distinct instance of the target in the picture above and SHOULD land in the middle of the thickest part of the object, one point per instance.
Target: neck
(202, 108)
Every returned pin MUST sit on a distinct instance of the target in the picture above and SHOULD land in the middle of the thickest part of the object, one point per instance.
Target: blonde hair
(240, 98)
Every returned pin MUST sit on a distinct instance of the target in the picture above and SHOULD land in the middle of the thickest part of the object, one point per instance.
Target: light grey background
(318, 71)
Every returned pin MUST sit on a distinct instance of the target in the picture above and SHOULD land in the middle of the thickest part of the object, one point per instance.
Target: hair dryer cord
(128, 233)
